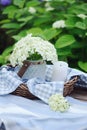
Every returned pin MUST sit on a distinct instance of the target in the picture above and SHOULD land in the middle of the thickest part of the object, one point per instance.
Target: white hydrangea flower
(59, 24)
(83, 16)
(32, 10)
(28, 46)
(48, 7)
(58, 103)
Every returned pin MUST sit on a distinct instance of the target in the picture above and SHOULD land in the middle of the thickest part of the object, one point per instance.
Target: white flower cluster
(32, 10)
(59, 24)
(83, 16)
(48, 7)
(30, 45)
(58, 103)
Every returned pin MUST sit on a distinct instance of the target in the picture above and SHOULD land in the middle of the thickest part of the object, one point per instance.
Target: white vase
(32, 69)
(60, 69)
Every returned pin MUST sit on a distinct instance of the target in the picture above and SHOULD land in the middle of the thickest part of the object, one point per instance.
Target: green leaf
(5, 55)
(16, 37)
(9, 9)
(70, 22)
(19, 3)
(35, 31)
(76, 9)
(50, 33)
(21, 12)
(66, 51)
(20, 35)
(77, 45)
(70, 1)
(11, 26)
(83, 65)
(32, 3)
(1, 59)
(81, 25)
(41, 20)
(77, 32)
(64, 41)
(84, 6)
(4, 21)
(7, 51)
(10, 31)
(26, 19)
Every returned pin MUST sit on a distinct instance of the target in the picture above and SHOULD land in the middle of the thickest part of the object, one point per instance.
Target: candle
(60, 69)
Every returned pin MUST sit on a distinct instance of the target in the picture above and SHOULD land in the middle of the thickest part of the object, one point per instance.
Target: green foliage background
(71, 42)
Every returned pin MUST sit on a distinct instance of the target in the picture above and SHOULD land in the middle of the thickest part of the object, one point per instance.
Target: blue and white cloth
(9, 81)
(43, 89)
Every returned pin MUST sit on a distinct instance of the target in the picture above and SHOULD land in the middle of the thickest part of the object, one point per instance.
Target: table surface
(23, 114)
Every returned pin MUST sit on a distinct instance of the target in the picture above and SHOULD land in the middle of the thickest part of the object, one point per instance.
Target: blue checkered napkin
(9, 81)
(43, 89)
(49, 71)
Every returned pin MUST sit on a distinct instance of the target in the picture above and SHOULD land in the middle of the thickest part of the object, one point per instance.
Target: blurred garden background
(62, 22)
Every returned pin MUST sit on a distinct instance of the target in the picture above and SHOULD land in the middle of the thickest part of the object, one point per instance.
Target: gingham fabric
(9, 81)
(48, 75)
(43, 89)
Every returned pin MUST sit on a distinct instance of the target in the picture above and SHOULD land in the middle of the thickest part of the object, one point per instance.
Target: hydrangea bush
(62, 22)
(33, 48)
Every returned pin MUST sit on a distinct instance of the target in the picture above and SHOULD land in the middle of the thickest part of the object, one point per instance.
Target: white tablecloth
(23, 114)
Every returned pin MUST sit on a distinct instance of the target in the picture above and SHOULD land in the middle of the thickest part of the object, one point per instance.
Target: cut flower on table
(58, 103)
